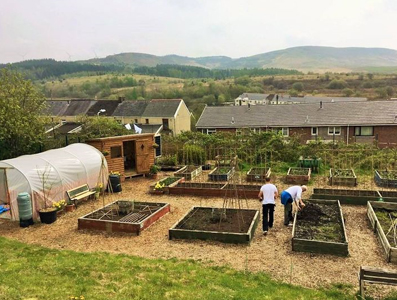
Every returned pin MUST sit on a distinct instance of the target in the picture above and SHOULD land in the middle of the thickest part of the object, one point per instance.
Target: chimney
(321, 104)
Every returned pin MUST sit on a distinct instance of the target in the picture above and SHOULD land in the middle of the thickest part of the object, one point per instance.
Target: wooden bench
(79, 193)
(375, 275)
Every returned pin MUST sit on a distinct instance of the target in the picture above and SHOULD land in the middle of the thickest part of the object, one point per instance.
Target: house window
(283, 130)
(211, 131)
(115, 152)
(147, 121)
(364, 131)
(255, 130)
(136, 120)
(334, 130)
(165, 124)
(314, 130)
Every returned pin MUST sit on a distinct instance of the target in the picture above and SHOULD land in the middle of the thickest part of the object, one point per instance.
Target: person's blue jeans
(287, 200)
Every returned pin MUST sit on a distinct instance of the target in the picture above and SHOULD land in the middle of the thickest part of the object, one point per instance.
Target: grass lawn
(33, 272)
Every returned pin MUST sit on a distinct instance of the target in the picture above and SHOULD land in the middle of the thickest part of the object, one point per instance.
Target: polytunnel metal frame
(66, 165)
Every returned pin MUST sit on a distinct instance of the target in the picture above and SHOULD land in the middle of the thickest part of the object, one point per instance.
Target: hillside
(307, 58)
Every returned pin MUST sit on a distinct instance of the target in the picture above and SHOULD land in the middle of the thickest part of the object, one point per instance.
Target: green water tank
(24, 206)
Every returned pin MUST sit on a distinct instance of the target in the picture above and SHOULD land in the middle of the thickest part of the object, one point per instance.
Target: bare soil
(320, 222)
(271, 253)
(216, 219)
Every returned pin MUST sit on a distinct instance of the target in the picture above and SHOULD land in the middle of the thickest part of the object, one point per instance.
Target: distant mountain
(307, 58)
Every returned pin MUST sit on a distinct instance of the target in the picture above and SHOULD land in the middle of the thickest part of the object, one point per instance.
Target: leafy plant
(154, 169)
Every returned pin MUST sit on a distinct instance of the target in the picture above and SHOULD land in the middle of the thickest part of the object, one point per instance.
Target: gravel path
(271, 254)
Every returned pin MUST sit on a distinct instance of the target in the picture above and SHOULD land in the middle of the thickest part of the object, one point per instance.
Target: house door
(144, 151)
(129, 156)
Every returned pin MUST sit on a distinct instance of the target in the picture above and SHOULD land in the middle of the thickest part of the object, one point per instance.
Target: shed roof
(300, 115)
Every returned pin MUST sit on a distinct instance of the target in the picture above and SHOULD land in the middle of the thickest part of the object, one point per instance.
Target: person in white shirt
(266, 196)
(290, 195)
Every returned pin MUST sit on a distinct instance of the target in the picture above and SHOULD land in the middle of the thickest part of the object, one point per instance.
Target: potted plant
(155, 145)
(153, 171)
(59, 206)
(98, 190)
(69, 206)
(47, 212)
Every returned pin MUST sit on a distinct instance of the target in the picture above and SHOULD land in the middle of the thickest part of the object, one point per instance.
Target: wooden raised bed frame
(346, 196)
(189, 172)
(143, 221)
(323, 247)
(258, 174)
(346, 180)
(215, 176)
(225, 237)
(298, 179)
(390, 252)
(380, 179)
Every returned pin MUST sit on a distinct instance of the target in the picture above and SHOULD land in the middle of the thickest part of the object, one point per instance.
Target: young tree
(21, 120)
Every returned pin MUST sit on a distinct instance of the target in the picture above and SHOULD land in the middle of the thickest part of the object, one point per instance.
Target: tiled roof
(300, 115)
(162, 108)
(130, 108)
(55, 108)
(65, 128)
(109, 105)
(78, 107)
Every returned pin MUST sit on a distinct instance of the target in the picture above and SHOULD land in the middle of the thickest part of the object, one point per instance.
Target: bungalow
(349, 122)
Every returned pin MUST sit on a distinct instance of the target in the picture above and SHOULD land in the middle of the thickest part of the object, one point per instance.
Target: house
(172, 114)
(263, 99)
(349, 122)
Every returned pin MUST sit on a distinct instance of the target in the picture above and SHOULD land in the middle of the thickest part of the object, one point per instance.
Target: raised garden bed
(220, 174)
(162, 186)
(189, 172)
(319, 228)
(386, 178)
(345, 177)
(217, 224)
(170, 168)
(298, 175)
(258, 174)
(382, 217)
(198, 189)
(310, 162)
(124, 216)
(346, 196)
(388, 196)
(243, 190)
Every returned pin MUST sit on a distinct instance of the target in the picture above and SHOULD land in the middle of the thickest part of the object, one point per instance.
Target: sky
(82, 29)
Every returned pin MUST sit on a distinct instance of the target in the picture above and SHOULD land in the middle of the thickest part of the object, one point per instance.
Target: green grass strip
(33, 272)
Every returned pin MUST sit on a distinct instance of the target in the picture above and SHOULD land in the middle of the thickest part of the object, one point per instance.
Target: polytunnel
(48, 175)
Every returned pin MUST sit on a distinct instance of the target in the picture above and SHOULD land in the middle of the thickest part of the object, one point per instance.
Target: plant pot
(69, 208)
(97, 195)
(48, 216)
(153, 176)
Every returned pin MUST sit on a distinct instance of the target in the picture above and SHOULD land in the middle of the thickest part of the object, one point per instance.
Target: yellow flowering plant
(59, 205)
(159, 186)
(99, 187)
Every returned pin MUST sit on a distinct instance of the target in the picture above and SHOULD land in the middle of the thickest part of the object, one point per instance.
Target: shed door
(144, 155)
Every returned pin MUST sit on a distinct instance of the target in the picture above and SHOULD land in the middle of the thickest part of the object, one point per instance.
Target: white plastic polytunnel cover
(48, 175)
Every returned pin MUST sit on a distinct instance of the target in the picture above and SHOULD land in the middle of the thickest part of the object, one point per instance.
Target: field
(153, 243)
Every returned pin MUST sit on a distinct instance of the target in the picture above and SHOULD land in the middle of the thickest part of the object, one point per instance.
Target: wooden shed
(128, 154)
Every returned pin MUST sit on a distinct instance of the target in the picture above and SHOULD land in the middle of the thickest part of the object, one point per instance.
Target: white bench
(79, 193)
